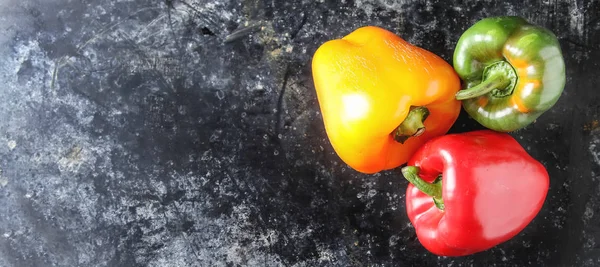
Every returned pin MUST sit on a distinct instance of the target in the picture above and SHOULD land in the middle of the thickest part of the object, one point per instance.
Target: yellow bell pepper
(381, 97)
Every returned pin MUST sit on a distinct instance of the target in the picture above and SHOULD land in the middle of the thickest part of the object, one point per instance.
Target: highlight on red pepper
(471, 191)
(513, 72)
(382, 97)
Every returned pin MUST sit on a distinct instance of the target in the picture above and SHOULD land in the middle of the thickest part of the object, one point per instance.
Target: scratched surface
(135, 133)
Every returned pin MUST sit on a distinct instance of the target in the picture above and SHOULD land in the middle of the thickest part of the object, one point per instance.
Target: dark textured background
(132, 134)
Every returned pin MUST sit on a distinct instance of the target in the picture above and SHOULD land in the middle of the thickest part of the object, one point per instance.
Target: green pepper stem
(497, 81)
(411, 173)
(412, 125)
(498, 78)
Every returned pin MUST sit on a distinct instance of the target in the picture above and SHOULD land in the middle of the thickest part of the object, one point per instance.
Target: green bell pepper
(512, 72)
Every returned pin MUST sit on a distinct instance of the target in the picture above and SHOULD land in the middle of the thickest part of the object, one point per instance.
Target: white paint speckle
(576, 15)
(259, 86)
(593, 148)
(289, 48)
(220, 94)
(588, 214)
(11, 144)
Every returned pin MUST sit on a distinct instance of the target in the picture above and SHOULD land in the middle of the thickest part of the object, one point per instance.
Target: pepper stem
(411, 173)
(412, 126)
(499, 79)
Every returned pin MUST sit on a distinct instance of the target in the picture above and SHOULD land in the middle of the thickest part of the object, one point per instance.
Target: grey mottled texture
(131, 134)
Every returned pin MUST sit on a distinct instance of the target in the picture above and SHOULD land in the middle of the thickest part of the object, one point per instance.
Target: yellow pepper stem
(412, 125)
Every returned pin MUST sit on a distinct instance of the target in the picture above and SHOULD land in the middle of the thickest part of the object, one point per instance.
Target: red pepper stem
(411, 173)
(412, 125)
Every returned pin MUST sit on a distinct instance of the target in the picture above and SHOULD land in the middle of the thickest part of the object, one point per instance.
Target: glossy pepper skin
(366, 84)
(490, 189)
(513, 72)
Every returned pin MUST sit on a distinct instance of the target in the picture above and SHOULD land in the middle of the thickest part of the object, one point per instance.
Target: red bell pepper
(469, 192)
